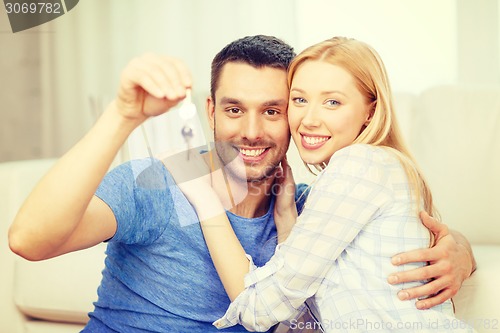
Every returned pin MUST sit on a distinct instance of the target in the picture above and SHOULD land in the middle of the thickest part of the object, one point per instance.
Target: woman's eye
(332, 102)
(299, 100)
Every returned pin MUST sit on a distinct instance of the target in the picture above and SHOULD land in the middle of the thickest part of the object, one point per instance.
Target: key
(186, 112)
(188, 134)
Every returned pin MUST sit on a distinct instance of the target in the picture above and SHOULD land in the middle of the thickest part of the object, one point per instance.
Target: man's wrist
(126, 123)
(469, 256)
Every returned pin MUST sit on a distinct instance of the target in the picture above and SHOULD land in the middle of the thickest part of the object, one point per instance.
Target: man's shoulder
(148, 173)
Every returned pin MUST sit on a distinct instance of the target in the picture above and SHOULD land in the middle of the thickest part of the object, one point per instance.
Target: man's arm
(62, 214)
(451, 261)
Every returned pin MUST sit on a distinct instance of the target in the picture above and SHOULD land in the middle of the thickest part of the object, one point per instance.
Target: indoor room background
(57, 77)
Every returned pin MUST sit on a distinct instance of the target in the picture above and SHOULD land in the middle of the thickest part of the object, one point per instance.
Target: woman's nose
(311, 119)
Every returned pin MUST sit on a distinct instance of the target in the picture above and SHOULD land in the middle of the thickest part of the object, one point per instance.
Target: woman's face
(326, 111)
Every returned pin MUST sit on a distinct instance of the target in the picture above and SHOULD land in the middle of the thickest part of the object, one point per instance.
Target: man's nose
(253, 128)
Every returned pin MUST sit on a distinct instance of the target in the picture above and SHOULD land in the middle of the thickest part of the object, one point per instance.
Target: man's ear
(210, 108)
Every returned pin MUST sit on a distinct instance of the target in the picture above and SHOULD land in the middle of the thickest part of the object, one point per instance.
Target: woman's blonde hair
(370, 77)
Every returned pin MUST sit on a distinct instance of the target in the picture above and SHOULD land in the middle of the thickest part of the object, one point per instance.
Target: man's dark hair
(257, 51)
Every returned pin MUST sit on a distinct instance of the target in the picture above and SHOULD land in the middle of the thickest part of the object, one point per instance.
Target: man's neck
(257, 201)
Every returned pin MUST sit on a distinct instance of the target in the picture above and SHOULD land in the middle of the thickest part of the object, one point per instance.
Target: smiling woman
(328, 119)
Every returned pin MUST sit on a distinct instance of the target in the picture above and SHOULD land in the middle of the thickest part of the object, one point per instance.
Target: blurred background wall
(55, 78)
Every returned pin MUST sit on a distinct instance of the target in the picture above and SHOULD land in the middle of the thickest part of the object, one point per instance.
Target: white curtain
(83, 55)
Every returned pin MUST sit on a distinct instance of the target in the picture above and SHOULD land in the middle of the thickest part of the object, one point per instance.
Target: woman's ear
(210, 108)
(370, 112)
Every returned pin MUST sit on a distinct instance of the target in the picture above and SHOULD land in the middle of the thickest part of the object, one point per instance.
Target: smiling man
(248, 114)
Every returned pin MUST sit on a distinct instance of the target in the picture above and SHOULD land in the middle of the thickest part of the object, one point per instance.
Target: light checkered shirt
(358, 215)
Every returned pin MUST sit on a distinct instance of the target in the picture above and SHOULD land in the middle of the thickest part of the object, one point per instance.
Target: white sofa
(455, 134)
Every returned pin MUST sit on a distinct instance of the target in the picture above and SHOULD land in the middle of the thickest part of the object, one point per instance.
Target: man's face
(249, 119)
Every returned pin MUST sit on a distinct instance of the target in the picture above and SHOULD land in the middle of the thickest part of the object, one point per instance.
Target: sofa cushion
(17, 179)
(59, 289)
(456, 141)
(476, 302)
(37, 326)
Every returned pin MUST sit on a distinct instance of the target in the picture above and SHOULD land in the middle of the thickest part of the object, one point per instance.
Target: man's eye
(271, 112)
(234, 110)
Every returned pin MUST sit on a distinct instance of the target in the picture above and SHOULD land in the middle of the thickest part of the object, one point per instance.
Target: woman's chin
(311, 160)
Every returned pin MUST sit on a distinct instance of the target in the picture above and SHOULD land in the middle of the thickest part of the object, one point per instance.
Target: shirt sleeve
(301, 193)
(350, 192)
(139, 194)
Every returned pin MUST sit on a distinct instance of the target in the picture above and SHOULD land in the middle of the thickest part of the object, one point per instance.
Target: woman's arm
(285, 207)
(451, 261)
(276, 292)
(226, 251)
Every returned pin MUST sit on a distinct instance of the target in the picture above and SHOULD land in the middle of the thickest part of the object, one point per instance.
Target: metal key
(188, 134)
(186, 112)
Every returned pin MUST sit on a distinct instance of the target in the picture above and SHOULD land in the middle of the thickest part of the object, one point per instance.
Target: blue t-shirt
(158, 274)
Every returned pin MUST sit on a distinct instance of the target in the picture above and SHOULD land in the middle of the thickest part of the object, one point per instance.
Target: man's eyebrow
(272, 102)
(275, 102)
(229, 100)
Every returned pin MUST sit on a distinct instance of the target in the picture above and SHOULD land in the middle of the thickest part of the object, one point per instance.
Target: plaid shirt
(359, 214)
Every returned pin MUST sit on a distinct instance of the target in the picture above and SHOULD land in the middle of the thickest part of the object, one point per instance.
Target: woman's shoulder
(365, 153)
(363, 161)
(362, 165)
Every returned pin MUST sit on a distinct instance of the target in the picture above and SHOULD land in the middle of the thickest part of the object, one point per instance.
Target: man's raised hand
(150, 85)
